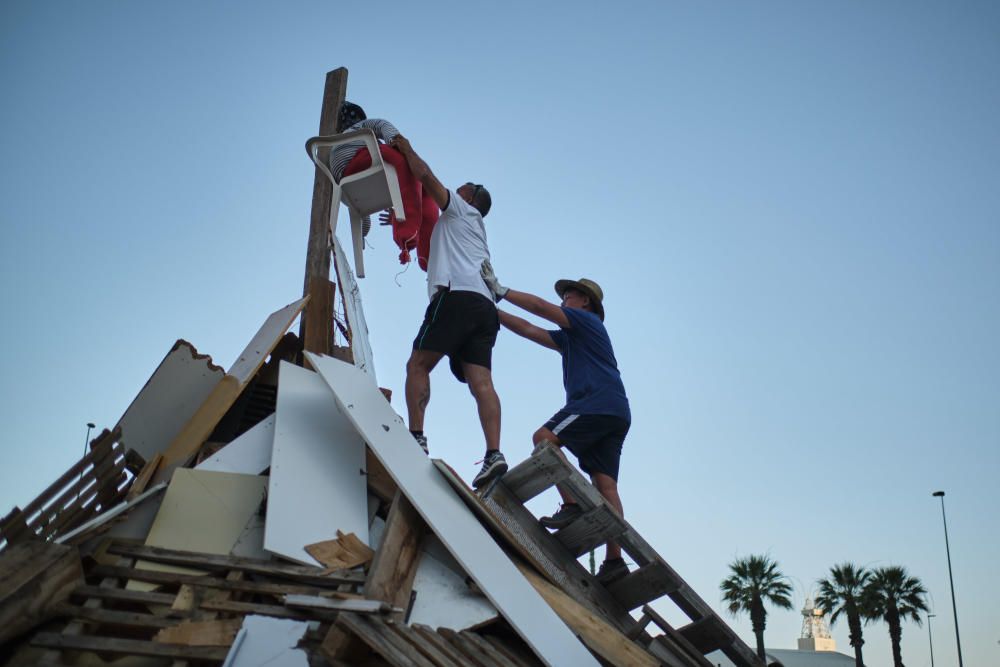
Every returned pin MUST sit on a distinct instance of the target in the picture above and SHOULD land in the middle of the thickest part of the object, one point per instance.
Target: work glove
(490, 278)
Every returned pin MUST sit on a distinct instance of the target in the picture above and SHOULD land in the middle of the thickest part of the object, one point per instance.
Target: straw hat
(584, 286)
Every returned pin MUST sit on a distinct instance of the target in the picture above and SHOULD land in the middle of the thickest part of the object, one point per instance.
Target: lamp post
(930, 637)
(951, 580)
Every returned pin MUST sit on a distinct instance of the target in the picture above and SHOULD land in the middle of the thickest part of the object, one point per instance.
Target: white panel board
(249, 454)
(263, 342)
(449, 518)
(268, 642)
(317, 485)
(202, 511)
(175, 390)
(360, 345)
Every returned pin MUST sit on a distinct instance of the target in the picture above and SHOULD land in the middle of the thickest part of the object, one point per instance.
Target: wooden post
(318, 249)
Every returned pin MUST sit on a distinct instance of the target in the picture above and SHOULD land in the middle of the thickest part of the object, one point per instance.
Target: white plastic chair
(368, 191)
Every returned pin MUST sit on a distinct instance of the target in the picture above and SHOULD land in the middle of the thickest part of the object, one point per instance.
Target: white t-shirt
(458, 248)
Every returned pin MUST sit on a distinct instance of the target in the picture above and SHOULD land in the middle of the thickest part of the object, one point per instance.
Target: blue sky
(793, 209)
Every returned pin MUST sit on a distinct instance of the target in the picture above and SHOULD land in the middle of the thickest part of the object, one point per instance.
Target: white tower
(815, 633)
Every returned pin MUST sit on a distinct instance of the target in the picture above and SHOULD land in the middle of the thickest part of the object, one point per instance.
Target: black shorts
(596, 440)
(462, 325)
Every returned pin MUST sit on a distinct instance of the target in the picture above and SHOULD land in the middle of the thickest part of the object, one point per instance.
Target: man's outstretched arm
(527, 330)
(531, 303)
(421, 171)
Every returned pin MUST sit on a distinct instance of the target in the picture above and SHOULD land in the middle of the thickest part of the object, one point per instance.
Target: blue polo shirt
(590, 371)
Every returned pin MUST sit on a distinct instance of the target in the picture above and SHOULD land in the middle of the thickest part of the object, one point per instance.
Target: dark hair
(481, 199)
(350, 114)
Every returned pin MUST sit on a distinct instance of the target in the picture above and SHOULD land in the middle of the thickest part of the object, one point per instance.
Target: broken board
(454, 524)
(356, 324)
(317, 484)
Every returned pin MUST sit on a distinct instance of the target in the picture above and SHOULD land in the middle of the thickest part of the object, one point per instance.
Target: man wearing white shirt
(461, 321)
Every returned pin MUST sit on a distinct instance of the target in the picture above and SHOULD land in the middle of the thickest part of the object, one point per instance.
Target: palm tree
(893, 596)
(754, 580)
(843, 592)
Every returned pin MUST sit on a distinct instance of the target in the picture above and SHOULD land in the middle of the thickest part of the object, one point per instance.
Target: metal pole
(86, 442)
(930, 637)
(951, 580)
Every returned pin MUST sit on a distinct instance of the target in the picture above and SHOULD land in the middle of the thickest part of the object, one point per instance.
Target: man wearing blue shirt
(596, 417)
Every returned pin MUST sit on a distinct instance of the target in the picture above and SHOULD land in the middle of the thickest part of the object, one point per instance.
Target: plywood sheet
(466, 539)
(203, 511)
(317, 485)
(175, 390)
(249, 454)
(360, 345)
(263, 342)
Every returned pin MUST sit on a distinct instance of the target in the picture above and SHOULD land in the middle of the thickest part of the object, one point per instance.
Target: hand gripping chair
(368, 191)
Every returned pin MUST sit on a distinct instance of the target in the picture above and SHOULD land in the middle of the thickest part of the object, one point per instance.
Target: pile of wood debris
(280, 513)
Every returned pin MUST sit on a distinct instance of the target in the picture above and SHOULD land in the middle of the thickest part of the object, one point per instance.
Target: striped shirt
(342, 155)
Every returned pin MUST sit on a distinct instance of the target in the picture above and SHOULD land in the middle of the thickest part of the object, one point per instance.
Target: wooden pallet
(555, 554)
(92, 485)
(104, 617)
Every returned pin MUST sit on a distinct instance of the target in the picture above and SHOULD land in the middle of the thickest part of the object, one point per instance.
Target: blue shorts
(596, 440)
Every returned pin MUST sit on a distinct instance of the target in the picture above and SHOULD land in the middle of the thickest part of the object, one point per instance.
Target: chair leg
(359, 243)
(334, 209)
(394, 194)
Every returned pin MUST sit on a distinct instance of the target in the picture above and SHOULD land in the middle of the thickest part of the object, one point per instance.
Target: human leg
(607, 486)
(418, 385)
(480, 381)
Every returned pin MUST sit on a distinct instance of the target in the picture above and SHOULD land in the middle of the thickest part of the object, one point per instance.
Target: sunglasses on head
(475, 192)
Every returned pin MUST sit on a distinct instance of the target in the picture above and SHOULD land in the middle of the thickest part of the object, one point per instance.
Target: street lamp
(930, 637)
(951, 580)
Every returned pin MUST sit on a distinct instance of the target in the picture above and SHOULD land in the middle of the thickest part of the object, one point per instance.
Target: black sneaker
(567, 514)
(422, 441)
(494, 465)
(612, 570)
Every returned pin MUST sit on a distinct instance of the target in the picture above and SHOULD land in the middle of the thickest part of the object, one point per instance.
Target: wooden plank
(590, 530)
(145, 475)
(432, 638)
(536, 473)
(643, 585)
(705, 634)
(171, 579)
(507, 517)
(172, 394)
(429, 650)
(128, 647)
(599, 635)
(204, 561)
(445, 513)
(318, 248)
(316, 486)
(473, 652)
(356, 606)
(379, 481)
(674, 638)
(387, 644)
(110, 617)
(271, 610)
(122, 595)
(34, 576)
(201, 633)
(394, 567)
(487, 649)
(519, 659)
(318, 322)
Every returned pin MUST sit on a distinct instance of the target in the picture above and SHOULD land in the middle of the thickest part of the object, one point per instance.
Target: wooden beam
(395, 564)
(318, 319)
(128, 647)
(318, 246)
(34, 577)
